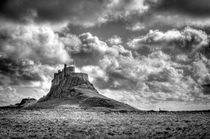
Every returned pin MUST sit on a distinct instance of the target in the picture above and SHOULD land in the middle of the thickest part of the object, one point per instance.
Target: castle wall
(69, 70)
(83, 76)
(68, 73)
(60, 76)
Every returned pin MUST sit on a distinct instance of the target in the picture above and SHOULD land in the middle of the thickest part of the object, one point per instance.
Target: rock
(69, 87)
(25, 102)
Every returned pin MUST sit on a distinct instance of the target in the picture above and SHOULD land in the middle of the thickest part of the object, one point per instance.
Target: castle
(68, 72)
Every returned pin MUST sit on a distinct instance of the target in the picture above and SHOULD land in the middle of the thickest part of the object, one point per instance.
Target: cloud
(95, 73)
(31, 53)
(26, 77)
(185, 61)
(124, 8)
(115, 40)
(92, 49)
(9, 96)
(156, 75)
(136, 15)
(188, 40)
(165, 73)
(201, 71)
(136, 26)
(164, 15)
(168, 21)
(127, 72)
(119, 75)
(37, 43)
(26, 73)
(174, 68)
(17, 72)
(194, 8)
(78, 12)
(91, 43)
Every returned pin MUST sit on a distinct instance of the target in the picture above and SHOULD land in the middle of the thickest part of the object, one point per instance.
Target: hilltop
(74, 90)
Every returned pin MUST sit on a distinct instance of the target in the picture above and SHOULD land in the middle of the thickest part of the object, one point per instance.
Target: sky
(151, 54)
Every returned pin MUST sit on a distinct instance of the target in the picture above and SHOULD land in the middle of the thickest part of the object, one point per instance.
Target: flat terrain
(76, 123)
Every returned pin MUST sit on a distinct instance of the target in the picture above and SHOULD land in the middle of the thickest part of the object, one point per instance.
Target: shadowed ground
(69, 121)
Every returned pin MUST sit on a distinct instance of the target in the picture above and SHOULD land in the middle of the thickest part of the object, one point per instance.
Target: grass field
(76, 123)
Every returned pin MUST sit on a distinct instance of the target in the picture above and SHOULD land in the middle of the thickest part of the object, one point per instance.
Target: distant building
(68, 72)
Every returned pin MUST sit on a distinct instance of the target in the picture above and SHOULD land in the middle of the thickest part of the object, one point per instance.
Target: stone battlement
(68, 72)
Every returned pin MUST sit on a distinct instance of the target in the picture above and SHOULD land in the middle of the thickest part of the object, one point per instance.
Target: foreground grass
(73, 123)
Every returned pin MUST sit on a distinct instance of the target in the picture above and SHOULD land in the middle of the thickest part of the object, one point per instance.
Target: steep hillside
(70, 88)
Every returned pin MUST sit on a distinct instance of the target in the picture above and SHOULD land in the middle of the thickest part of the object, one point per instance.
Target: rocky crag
(65, 82)
(25, 102)
(69, 87)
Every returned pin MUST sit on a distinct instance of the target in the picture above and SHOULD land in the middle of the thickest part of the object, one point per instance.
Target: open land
(75, 123)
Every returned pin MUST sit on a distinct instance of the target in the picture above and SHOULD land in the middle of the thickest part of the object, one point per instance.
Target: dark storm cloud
(169, 14)
(77, 12)
(52, 10)
(191, 7)
(17, 72)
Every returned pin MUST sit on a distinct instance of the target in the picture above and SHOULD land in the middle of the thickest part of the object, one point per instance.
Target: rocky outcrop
(69, 87)
(65, 87)
(25, 102)
(65, 83)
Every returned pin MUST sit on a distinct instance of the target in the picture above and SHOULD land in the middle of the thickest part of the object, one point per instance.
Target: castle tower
(64, 70)
(64, 66)
(71, 68)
